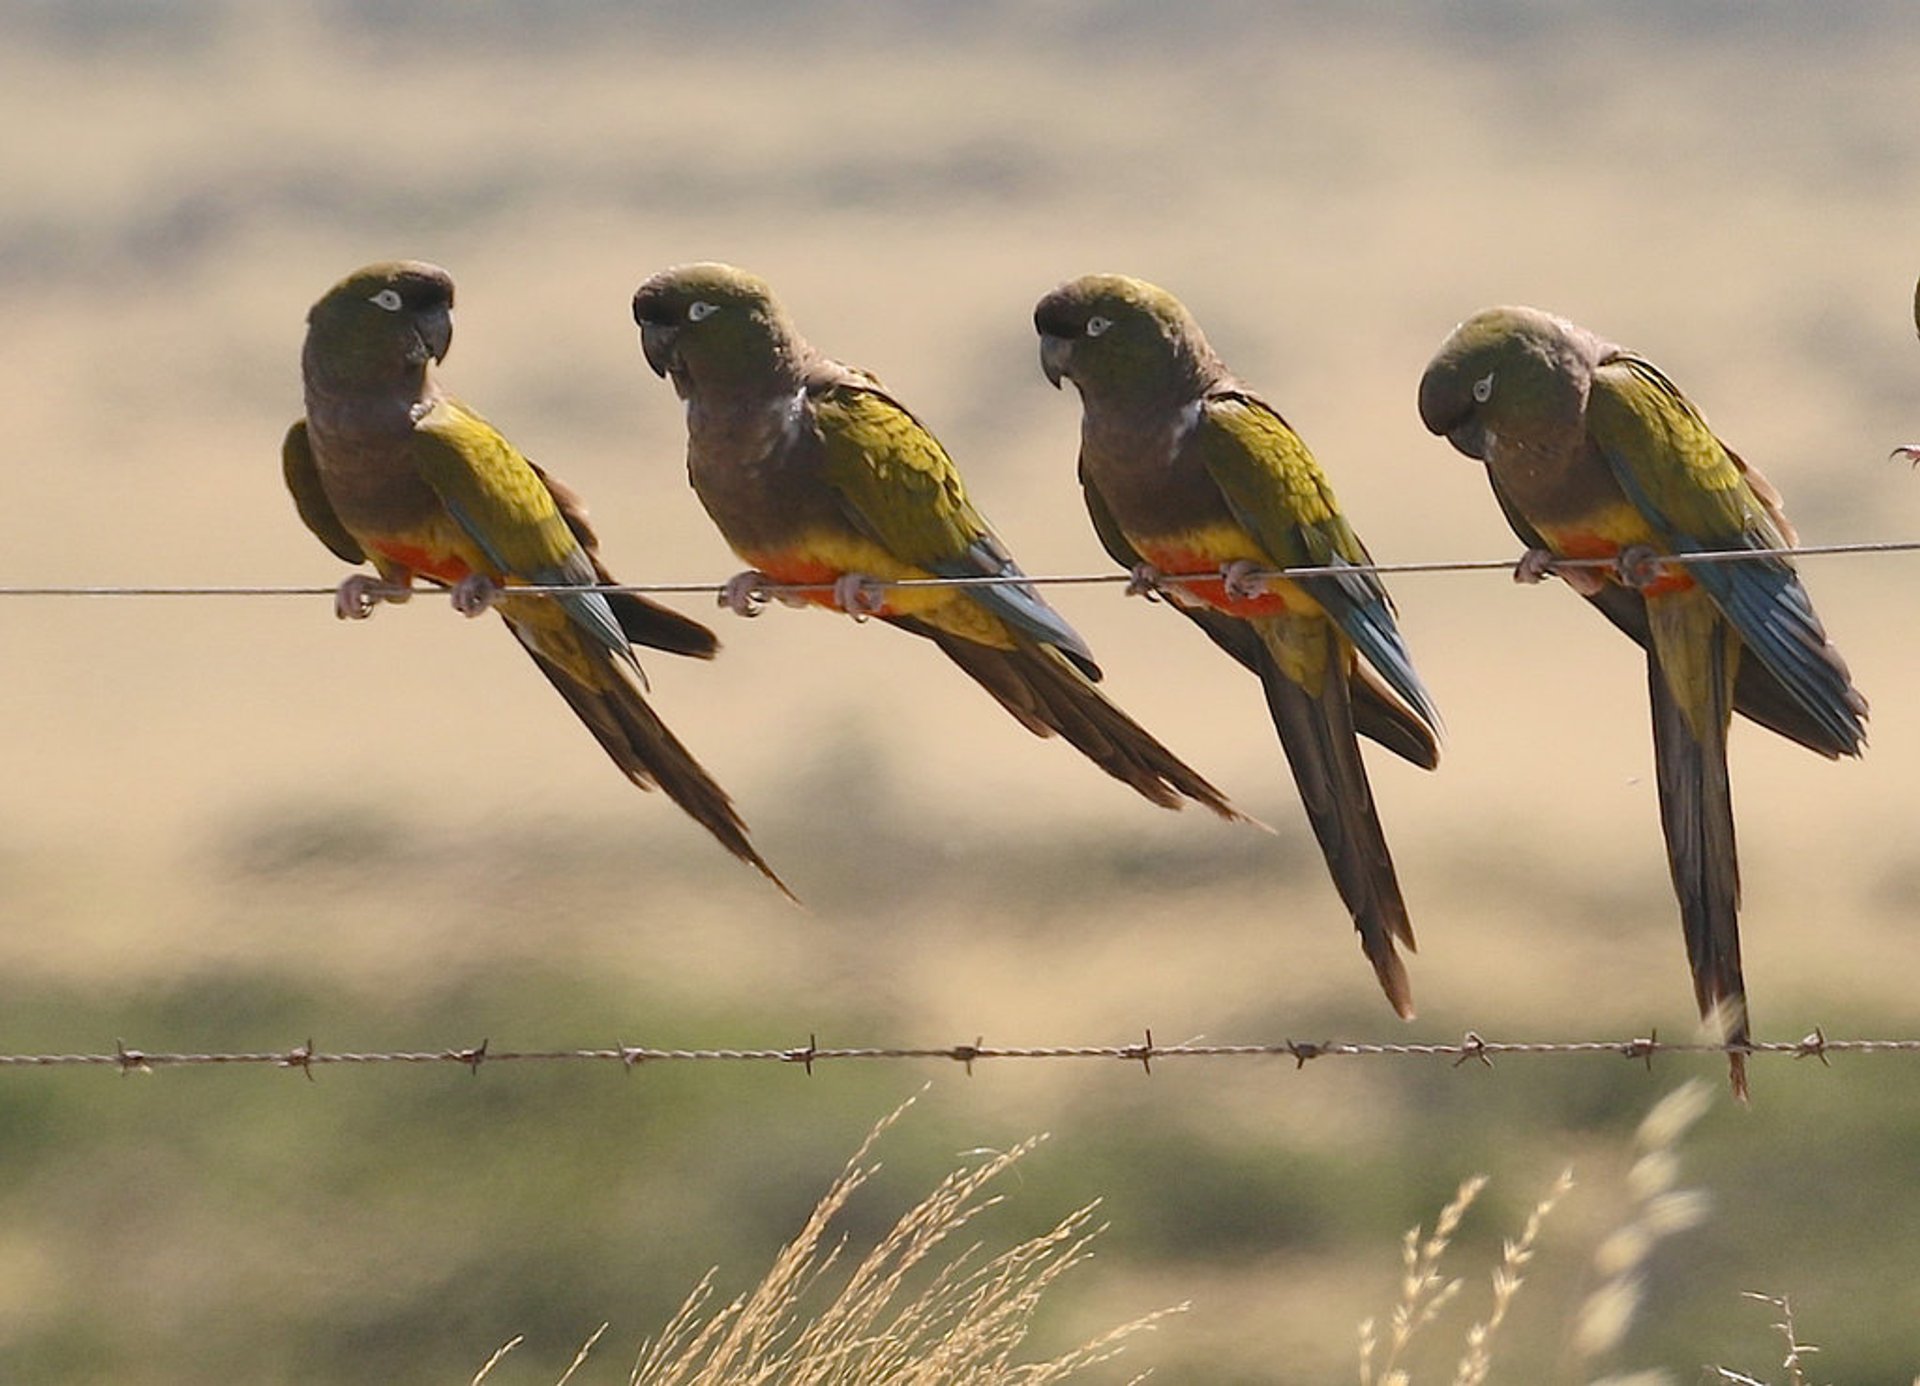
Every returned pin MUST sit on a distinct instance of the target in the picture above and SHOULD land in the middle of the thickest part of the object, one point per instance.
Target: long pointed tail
(1323, 751)
(1696, 817)
(645, 750)
(1049, 696)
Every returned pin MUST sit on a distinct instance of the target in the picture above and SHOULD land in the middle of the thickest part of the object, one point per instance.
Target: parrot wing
(310, 497)
(1699, 496)
(645, 622)
(898, 487)
(1377, 713)
(503, 504)
(1278, 493)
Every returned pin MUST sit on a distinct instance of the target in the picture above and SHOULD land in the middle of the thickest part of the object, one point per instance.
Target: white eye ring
(388, 299)
(1096, 325)
(1483, 388)
(700, 308)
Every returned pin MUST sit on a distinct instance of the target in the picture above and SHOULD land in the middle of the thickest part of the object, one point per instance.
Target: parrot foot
(1535, 565)
(1639, 566)
(1243, 578)
(745, 594)
(359, 593)
(1143, 580)
(1909, 451)
(858, 595)
(474, 594)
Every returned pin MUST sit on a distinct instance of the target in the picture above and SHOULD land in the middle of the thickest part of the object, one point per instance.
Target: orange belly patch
(442, 567)
(1586, 544)
(1201, 584)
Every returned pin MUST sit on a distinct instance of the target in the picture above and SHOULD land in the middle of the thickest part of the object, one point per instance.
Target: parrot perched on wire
(387, 468)
(816, 475)
(1187, 472)
(1593, 453)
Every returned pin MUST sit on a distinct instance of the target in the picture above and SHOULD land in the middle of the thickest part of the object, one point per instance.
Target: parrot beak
(436, 331)
(658, 343)
(1471, 438)
(1056, 357)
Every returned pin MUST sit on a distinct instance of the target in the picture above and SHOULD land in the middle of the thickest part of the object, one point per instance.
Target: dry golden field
(237, 823)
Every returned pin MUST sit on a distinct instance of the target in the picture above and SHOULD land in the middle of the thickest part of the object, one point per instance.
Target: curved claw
(1535, 565)
(1143, 580)
(745, 594)
(858, 595)
(1638, 566)
(1909, 451)
(1242, 579)
(359, 593)
(474, 594)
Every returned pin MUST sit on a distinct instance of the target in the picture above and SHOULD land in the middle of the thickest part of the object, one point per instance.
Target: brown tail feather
(1049, 696)
(1696, 817)
(649, 754)
(1324, 754)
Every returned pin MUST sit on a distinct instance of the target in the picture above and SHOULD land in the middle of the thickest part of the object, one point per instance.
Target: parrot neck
(349, 404)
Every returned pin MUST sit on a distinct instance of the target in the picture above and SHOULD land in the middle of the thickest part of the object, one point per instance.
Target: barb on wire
(1471, 1048)
(777, 590)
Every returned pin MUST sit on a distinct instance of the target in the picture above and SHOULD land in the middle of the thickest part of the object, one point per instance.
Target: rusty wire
(1472, 1047)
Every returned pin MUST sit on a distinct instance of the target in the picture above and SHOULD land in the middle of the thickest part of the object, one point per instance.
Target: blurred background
(241, 824)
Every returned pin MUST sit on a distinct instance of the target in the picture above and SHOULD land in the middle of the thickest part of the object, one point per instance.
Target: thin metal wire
(776, 590)
(1472, 1046)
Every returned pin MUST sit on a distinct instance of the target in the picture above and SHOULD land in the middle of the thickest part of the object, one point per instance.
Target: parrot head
(713, 327)
(1111, 334)
(381, 322)
(1508, 372)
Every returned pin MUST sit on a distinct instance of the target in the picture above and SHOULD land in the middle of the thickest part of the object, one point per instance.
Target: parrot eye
(701, 309)
(1096, 325)
(388, 299)
(1483, 388)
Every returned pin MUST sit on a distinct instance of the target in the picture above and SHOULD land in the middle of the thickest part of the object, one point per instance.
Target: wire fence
(1633, 569)
(1470, 1048)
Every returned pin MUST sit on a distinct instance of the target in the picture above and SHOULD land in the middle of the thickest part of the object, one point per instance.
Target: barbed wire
(1472, 1047)
(775, 590)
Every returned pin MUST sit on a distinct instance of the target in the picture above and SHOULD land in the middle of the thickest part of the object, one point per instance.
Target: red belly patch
(1202, 584)
(1589, 545)
(442, 567)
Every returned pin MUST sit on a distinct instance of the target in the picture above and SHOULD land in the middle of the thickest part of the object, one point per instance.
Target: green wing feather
(896, 481)
(1278, 493)
(899, 487)
(497, 496)
(1680, 475)
(310, 497)
(1699, 496)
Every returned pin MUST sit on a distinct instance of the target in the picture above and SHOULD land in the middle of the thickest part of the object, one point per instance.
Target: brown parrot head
(1116, 337)
(1509, 372)
(711, 327)
(381, 324)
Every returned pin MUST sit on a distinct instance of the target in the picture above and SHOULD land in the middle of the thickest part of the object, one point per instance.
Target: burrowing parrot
(389, 469)
(1189, 474)
(1593, 453)
(816, 475)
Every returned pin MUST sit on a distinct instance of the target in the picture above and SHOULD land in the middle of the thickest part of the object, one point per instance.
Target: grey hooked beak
(1056, 357)
(436, 332)
(657, 343)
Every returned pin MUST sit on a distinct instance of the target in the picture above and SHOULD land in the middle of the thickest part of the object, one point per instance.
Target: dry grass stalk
(1658, 1210)
(1507, 1279)
(1423, 1293)
(962, 1328)
(1796, 1350)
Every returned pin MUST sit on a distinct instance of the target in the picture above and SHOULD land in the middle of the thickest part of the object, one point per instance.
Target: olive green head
(1113, 335)
(1516, 372)
(711, 326)
(381, 323)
